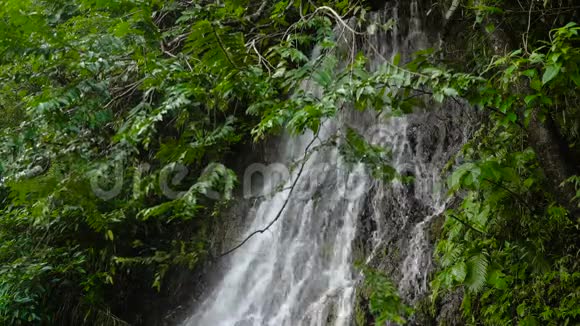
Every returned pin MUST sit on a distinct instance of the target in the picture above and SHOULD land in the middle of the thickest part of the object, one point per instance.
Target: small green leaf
(535, 84)
(521, 309)
(546, 100)
(536, 57)
(516, 52)
(122, 29)
(279, 73)
(459, 271)
(497, 279)
(552, 71)
(110, 235)
(529, 321)
(448, 91)
(530, 73)
(397, 59)
(530, 98)
(576, 78)
(490, 28)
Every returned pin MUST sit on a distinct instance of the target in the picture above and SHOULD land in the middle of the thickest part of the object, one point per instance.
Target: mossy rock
(363, 316)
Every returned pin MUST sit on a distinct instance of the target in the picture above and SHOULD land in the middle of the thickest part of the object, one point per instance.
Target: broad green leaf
(521, 309)
(551, 72)
(459, 271)
(497, 279)
(575, 78)
(110, 235)
(530, 98)
(448, 91)
(397, 59)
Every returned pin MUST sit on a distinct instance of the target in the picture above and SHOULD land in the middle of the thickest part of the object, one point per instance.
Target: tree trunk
(555, 159)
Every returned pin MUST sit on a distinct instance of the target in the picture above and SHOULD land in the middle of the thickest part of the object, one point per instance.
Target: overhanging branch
(279, 214)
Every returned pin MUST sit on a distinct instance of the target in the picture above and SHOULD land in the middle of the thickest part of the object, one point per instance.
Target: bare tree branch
(277, 217)
(258, 12)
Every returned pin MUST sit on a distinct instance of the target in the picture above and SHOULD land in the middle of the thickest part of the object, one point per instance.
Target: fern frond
(476, 272)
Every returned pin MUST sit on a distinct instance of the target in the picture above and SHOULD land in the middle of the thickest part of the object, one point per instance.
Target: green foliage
(384, 301)
(117, 121)
(357, 150)
(509, 243)
(100, 94)
(146, 100)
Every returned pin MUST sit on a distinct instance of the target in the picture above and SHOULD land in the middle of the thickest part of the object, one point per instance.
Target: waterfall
(300, 271)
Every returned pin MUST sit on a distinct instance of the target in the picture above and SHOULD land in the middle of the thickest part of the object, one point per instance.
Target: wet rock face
(404, 219)
(401, 221)
(366, 229)
(449, 312)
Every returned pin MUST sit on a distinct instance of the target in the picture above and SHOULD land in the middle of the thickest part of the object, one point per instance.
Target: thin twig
(130, 89)
(526, 35)
(338, 18)
(277, 217)
(223, 47)
(516, 196)
(261, 58)
(467, 224)
(258, 12)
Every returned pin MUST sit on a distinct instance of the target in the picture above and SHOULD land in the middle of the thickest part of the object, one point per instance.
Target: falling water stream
(300, 271)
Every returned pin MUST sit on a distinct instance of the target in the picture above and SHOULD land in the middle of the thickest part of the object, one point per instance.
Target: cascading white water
(300, 271)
